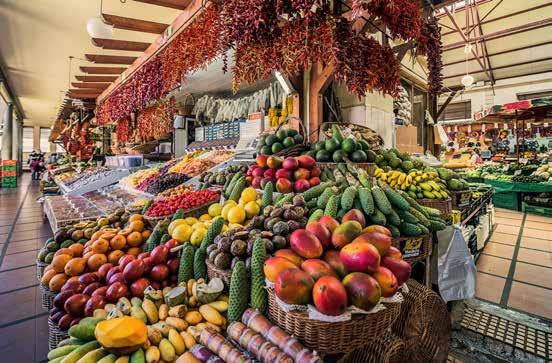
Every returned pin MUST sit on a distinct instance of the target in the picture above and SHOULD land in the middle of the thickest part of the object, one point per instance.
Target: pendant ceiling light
(468, 79)
(97, 28)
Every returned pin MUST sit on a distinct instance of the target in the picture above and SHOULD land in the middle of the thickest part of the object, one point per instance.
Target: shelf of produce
(195, 180)
(65, 210)
(101, 181)
(476, 206)
(137, 192)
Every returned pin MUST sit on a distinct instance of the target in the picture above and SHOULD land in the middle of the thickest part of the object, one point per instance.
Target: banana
(402, 178)
(378, 172)
(383, 177)
(393, 183)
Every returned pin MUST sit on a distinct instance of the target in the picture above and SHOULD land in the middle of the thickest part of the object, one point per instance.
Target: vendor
(476, 158)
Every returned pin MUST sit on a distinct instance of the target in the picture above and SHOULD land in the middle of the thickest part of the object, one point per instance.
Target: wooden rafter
(144, 26)
(96, 78)
(125, 45)
(93, 85)
(102, 70)
(173, 4)
(484, 49)
(505, 66)
(444, 105)
(109, 59)
(85, 91)
(82, 96)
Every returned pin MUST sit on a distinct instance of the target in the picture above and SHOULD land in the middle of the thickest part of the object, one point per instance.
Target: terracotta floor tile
(536, 275)
(508, 221)
(535, 257)
(499, 250)
(20, 304)
(534, 300)
(536, 243)
(536, 233)
(24, 246)
(538, 225)
(19, 236)
(502, 228)
(18, 259)
(25, 342)
(489, 287)
(504, 238)
(536, 218)
(493, 265)
(10, 280)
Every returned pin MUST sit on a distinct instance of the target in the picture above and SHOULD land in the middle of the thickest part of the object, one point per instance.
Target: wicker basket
(213, 271)
(55, 335)
(425, 248)
(444, 206)
(40, 266)
(387, 349)
(424, 325)
(375, 140)
(332, 338)
(47, 297)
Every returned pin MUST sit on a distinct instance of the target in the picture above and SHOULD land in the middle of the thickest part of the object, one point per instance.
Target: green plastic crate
(534, 209)
(9, 167)
(510, 200)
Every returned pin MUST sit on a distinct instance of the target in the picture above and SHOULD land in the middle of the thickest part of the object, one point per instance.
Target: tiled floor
(515, 268)
(23, 321)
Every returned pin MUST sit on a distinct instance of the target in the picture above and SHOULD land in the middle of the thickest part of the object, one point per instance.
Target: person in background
(476, 158)
(34, 164)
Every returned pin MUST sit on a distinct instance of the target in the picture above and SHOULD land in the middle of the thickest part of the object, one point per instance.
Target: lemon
(174, 224)
(214, 209)
(242, 203)
(249, 194)
(236, 214)
(252, 209)
(182, 233)
(230, 202)
(198, 225)
(204, 217)
(191, 220)
(197, 236)
(226, 209)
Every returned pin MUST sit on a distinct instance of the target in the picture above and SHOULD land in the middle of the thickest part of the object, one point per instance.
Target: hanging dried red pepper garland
(123, 131)
(155, 122)
(401, 17)
(430, 45)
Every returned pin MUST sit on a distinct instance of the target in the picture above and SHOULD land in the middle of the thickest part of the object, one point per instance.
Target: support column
(7, 136)
(320, 78)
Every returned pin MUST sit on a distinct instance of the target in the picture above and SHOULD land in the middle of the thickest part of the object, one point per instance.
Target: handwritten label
(412, 247)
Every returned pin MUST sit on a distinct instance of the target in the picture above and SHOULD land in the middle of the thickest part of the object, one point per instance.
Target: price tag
(517, 172)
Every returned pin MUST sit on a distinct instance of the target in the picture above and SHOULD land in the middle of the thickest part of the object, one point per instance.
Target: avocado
(379, 159)
(266, 150)
(348, 145)
(363, 145)
(331, 145)
(277, 147)
(288, 142)
(262, 141)
(323, 156)
(312, 154)
(359, 156)
(292, 132)
(339, 156)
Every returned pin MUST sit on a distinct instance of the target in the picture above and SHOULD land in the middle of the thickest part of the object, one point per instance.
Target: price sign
(517, 172)
(412, 247)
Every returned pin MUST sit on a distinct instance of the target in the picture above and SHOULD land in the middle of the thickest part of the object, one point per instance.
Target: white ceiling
(526, 39)
(38, 36)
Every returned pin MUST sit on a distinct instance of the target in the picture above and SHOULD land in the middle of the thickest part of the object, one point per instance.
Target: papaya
(122, 335)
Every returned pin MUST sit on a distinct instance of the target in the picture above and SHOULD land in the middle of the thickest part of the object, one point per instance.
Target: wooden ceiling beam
(114, 44)
(102, 70)
(503, 67)
(138, 25)
(173, 4)
(109, 59)
(93, 85)
(82, 96)
(96, 78)
(85, 91)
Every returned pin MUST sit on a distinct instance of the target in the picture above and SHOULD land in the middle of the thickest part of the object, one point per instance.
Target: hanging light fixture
(468, 79)
(97, 28)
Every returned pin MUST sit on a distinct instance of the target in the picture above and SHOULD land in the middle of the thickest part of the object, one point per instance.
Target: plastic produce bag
(455, 267)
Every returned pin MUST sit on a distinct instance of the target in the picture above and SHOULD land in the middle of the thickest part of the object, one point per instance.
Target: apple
(159, 255)
(256, 182)
(261, 160)
(269, 173)
(115, 292)
(103, 270)
(74, 305)
(274, 162)
(173, 265)
(290, 163)
(123, 261)
(89, 278)
(306, 161)
(118, 277)
(89, 290)
(159, 273)
(316, 171)
(265, 181)
(101, 291)
(283, 173)
(258, 172)
(61, 298)
(137, 288)
(73, 285)
(95, 302)
(172, 243)
(143, 255)
(135, 269)
(283, 185)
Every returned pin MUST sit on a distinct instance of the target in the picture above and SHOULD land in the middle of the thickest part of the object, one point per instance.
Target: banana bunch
(476, 195)
(418, 184)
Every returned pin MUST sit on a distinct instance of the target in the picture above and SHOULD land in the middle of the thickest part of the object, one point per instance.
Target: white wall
(505, 91)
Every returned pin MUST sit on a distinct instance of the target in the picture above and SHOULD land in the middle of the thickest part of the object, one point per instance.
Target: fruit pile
(176, 191)
(164, 182)
(338, 149)
(167, 207)
(272, 228)
(290, 174)
(335, 265)
(378, 204)
(130, 275)
(164, 325)
(281, 140)
(221, 177)
(134, 179)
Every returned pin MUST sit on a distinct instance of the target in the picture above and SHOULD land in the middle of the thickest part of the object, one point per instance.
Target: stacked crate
(9, 173)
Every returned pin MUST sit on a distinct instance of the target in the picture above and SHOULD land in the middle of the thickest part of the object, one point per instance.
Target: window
(533, 95)
(44, 143)
(457, 111)
(28, 139)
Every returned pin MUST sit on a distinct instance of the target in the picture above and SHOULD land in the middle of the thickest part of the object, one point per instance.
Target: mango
(362, 289)
(305, 244)
(122, 335)
(294, 286)
(193, 317)
(176, 323)
(317, 268)
(360, 257)
(380, 240)
(346, 233)
(220, 306)
(274, 265)
(150, 309)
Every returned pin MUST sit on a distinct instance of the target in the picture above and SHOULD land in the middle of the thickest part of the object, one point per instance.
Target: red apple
(159, 273)
(283, 185)
(256, 182)
(135, 269)
(137, 288)
(172, 243)
(269, 173)
(125, 259)
(147, 265)
(75, 305)
(61, 298)
(258, 172)
(290, 163)
(306, 161)
(265, 181)
(173, 265)
(143, 255)
(101, 291)
(118, 277)
(316, 171)
(103, 270)
(115, 292)
(73, 285)
(89, 290)
(159, 255)
(95, 302)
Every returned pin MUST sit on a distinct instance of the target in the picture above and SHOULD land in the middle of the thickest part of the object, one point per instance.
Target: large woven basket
(424, 250)
(213, 271)
(424, 325)
(47, 297)
(332, 338)
(55, 335)
(40, 266)
(387, 349)
(443, 206)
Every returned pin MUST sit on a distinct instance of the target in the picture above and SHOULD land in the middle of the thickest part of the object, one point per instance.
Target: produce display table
(508, 193)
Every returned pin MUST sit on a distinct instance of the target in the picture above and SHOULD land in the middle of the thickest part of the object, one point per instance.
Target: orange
(134, 239)
(57, 282)
(146, 234)
(48, 268)
(114, 256)
(95, 261)
(124, 232)
(118, 242)
(100, 246)
(87, 255)
(136, 226)
(134, 251)
(77, 249)
(136, 217)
